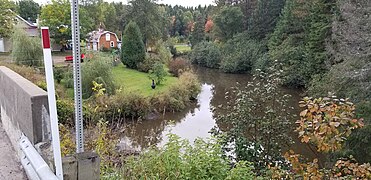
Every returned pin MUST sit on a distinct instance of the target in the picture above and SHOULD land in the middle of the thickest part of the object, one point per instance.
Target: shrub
(42, 85)
(65, 110)
(58, 74)
(132, 49)
(163, 52)
(98, 70)
(178, 95)
(158, 73)
(206, 54)
(68, 147)
(159, 54)
(68, 79)
(148, 63)
(180, 160)
(178, 66)
(240, 54)
(26, 50)
(259, 120)
(263, 63)
(125, 104)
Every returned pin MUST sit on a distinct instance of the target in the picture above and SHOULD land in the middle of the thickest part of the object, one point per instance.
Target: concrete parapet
(24, 108)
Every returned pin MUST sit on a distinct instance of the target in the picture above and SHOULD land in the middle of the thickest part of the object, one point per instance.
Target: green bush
(180, 160)
(240, 54)
(260, 111)
(125, 105)
(132, 49)
(99, 70)
(158, 73)
(26, 50)
(160, 54)
(206, 54)
(58, 74)
(42, 85)
(65, 110)
(68, 79)
(149, 63)
(263, 63)
(163, 52)
(179, 95)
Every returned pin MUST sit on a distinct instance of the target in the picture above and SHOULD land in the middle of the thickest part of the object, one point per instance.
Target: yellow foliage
(326, 122)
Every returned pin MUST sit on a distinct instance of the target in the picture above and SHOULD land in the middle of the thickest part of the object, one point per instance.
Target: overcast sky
(171, 2)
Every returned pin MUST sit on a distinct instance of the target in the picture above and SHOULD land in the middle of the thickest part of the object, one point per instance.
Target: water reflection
(198, 119)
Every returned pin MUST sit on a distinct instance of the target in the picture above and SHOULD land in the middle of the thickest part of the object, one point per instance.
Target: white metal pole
(48, 62)
(77, 75)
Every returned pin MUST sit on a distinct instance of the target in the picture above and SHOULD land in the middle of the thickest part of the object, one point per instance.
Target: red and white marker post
(48, 63)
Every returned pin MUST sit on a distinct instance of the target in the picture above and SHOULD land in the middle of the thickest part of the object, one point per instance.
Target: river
(197, 120)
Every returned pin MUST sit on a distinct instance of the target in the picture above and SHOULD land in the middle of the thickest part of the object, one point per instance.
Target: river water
(197, 120)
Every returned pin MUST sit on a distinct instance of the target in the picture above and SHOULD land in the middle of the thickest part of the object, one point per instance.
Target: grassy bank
(134, 81)
(182, 48)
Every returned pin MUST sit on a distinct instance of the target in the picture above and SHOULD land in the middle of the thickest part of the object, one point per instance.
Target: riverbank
(134, 81)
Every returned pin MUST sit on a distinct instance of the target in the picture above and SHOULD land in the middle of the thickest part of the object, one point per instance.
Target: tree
(318, 32)
(132, 49)
(229, 21)
(97, 71)
(57, 16)
(26, 50)
(247, 7)
(258, 120)
(209, 25)
(287, 42)
(264, 19)
(145, 14)
(206, 54)
(28, 10)
(326, 123)
(198, 33)
(6, 17)
(158, 73)
(240, 54)
(299, 40)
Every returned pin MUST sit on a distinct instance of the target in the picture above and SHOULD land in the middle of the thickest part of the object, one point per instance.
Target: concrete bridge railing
(24, 113)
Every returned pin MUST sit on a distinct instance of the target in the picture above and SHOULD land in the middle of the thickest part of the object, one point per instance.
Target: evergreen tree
(265, 17)
(229, 21)
(146, 14)
(317, 34)
(198, 34)
(299, 40)
(132, 49)
(287, 42)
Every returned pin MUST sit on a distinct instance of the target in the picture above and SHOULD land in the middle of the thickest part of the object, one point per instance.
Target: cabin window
(112, 44)
(108, 37)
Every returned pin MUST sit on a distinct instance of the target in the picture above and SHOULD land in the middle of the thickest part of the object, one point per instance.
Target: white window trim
(112, 44)
(108, 37)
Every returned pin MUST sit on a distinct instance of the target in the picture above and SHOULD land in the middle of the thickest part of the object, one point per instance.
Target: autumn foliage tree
(326, 123)
(209, 25)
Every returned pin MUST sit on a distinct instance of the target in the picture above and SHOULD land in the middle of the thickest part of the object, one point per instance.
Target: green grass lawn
(182, 48)
(135, 81)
